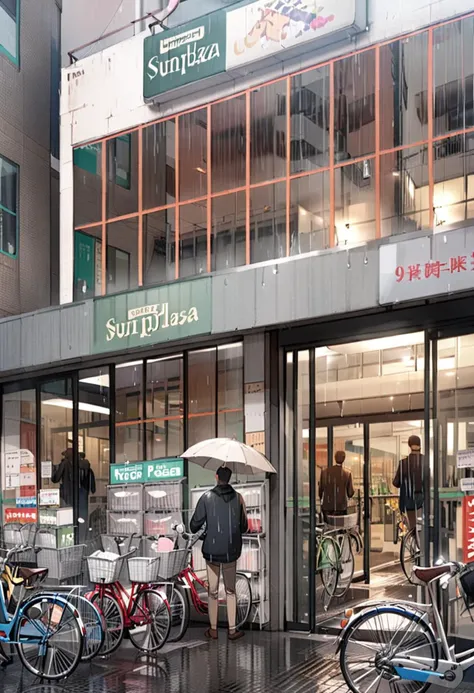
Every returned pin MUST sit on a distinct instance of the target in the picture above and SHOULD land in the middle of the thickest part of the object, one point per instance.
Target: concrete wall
(25, 139)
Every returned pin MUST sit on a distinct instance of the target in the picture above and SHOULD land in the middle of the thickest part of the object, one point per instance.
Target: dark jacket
(223, 512)
(409, 479)
(335, 488)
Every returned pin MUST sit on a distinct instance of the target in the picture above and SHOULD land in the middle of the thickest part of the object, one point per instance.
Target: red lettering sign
(468, 528)
(454, 265)
(21, 515)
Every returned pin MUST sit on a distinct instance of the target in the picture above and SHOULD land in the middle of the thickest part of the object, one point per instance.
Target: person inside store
(63, 474)
(409, 479)
(335, 487)
(222, 513)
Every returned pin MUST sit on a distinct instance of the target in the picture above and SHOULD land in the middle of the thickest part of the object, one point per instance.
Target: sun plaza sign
(151, 316)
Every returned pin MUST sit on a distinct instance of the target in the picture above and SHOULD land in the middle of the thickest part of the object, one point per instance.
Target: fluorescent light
(100, 380)
(165, 358)
(83, 406)
(199, 169)
(129, 364)
(236, 345)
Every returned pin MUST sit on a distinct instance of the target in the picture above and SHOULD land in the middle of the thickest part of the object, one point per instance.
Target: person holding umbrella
(221, 512)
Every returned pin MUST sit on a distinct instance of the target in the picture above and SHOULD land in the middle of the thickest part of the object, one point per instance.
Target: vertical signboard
(468, 528)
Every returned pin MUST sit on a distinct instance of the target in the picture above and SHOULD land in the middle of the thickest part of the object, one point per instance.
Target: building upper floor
(315, 131)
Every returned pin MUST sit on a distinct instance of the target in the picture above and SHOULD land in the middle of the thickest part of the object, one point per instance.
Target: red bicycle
(142, 610)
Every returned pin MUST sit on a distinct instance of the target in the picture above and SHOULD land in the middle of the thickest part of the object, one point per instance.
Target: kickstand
(5, 660)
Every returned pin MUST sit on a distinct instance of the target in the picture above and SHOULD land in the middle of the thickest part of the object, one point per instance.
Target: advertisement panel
(468, 527)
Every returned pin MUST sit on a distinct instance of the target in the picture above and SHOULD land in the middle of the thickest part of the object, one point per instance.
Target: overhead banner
(151, 316)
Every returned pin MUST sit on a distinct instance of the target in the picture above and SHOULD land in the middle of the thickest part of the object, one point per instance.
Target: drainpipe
(138, 27)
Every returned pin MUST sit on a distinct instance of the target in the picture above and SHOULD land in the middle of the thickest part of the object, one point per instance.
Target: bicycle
(409, 551)
(46, 630)
(143, 611)
(403, 645)
(327, 563)
(343, 528)
(185, 581)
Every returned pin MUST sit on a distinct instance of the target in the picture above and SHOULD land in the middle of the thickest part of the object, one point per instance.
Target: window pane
(268, 132)
(122, 175)
(87, 184)
(88, 263)
(164, 388)
(202, 382)
(18, 433)
(57, 438)
(159, 247)
(230, 372)
(8, 229)
(309, 213)
(355, 203)
(404, 91)
(129, 443)
(193, 239)
(94, 449)
(404, 198)
(193, 155)
(122, 255)
(164, 438)
(228, 231)
(453, 75)
(8, 27)
(310, 120)
(159, 164)
(228, 144)
(128, 391)
(354, 112)
(268, 222)
(453, 197)
(8, 185)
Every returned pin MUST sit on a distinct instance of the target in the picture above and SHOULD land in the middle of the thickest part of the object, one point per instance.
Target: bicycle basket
(143, 569)
(466, 581)
(342, 521)
(104, 569)
(172, 563)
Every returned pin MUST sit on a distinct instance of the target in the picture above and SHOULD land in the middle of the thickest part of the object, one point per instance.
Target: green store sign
(152, 316)
(175, 58)
(142, 472)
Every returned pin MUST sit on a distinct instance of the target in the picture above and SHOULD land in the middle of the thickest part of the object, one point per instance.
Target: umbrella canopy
(218, 452)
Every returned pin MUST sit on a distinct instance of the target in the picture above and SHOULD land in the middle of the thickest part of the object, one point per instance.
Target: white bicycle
(402, 646)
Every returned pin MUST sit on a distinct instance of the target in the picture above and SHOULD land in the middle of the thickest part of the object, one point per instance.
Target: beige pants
(213, 575)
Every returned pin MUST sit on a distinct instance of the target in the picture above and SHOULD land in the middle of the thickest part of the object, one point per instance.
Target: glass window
(19, 433)
(453, 76)
(268, 132)
(193, 155)
(8, 206)
(122, 255)
(228, 231)
(354, 111)
(159, 247)
(302, 489)
(228, 144)
(309, 213)
(94, 451)
(122, 175)
(128, 391)
(87, 162)
(355, 203)
(10, 28)
(193, 239)
(453, 195)
(310, 120)
(268, 222)
(202, 394)
(404, 91)
(129, 443)
(230, 387)
(88, 263)
(57, 437)
(404, 191)
(164, 404)
(159, 165)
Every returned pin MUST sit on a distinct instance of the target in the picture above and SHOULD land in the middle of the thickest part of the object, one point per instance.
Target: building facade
(29, 154)
(265, 233)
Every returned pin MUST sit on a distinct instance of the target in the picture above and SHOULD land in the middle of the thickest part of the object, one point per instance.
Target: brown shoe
(211, 634)
(236, 635)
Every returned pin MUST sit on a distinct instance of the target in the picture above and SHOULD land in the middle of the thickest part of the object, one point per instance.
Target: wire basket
(125, 523)
(342, 521)
(15, 534)
(172, 563)
(163, 496)
(119, 545)
(126, 498)
(143, 569)
(466, 581)
(103, 570)
(62, 564)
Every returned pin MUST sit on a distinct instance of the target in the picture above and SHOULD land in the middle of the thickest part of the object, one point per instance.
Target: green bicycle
(328, 563)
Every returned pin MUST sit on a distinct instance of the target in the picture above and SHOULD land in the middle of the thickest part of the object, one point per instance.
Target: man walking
(409, 479)
(336, 487)
(222, 511)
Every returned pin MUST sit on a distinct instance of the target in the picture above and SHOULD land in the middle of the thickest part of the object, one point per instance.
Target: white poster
(46, 469)
(465, 458)
(49, 496)
(467, 484)
(263, 28)
(12, 462)
(12, 481)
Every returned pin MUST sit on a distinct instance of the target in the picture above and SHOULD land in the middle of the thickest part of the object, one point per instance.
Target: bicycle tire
(114, 622)
(151, 606)
(409, 545)
(347, 561)
(180, 613)
(53, 661)
(330, 569)
(243, 594)
(360, 623)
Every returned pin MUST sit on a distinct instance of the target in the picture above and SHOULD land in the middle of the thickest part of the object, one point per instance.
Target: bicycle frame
(125, 600)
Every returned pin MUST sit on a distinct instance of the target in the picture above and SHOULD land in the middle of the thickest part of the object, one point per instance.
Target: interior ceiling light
(83, 406)
(199, 169)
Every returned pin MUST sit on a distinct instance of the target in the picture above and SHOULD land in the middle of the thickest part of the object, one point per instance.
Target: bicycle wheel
(49, 637)
(330, 567)
(243, 593)
(372, 640)
(347, 566)
(114, 625)
(151, 621)
(94, 624)
(179, 608)
(409, 553)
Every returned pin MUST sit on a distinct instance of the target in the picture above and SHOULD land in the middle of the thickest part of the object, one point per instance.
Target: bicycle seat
(32, 575)
(432, 572)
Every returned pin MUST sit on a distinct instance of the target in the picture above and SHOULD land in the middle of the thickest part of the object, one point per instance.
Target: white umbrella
(227, 452)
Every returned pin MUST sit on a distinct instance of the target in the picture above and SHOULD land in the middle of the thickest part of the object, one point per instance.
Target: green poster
(84, 264)
(126, 473)
(139, 472)
(184, 55)
(152, 316)
(88, 158)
